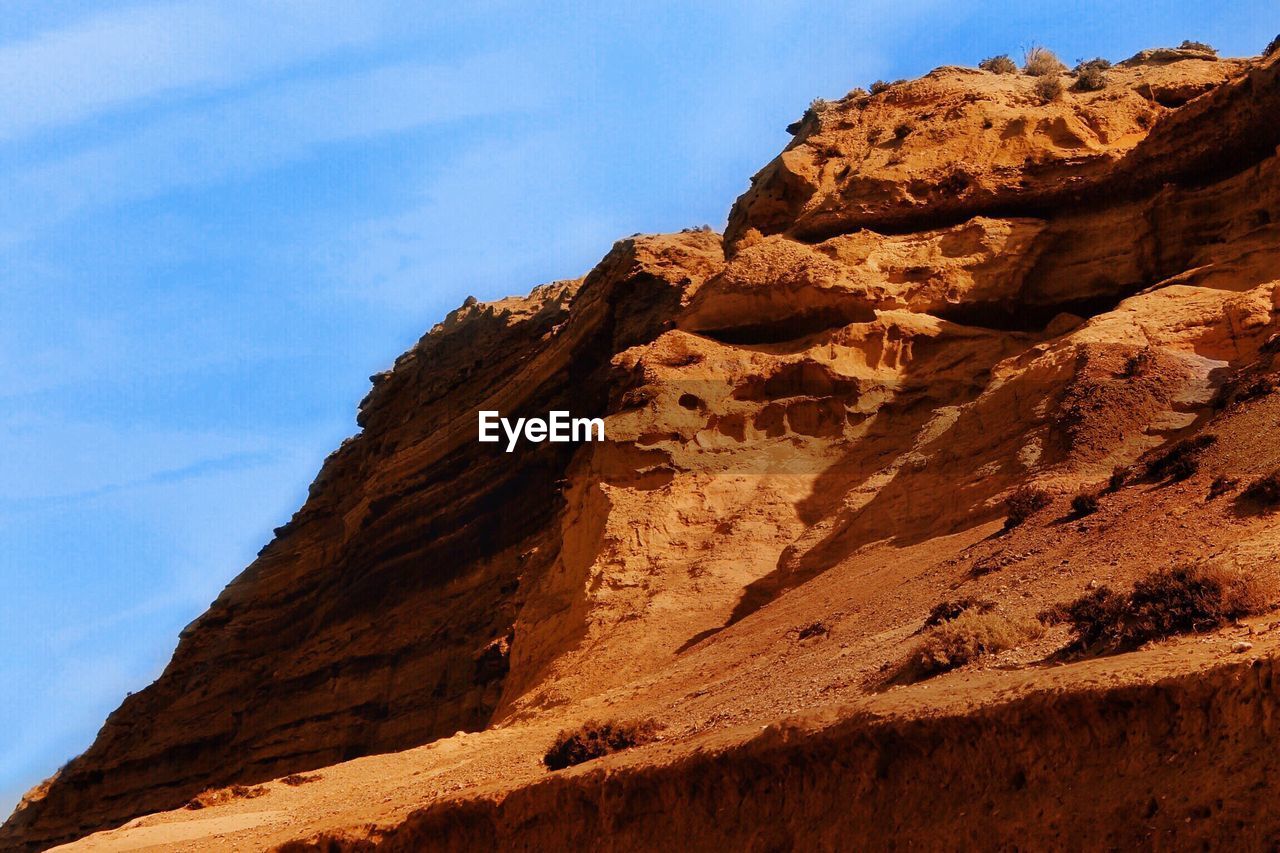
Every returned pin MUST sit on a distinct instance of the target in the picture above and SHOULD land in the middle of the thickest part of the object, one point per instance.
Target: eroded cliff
(936, 295)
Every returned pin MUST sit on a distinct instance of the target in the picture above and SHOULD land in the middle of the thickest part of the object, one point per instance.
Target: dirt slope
(936, 295)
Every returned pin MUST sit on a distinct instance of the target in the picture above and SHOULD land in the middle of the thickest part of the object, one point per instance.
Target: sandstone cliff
(934, 296)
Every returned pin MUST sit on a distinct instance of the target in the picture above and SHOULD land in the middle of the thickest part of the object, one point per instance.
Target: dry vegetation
(1198, 46)
(947, 611)
(813, 629)
(1041, 62)
(1161, 604)
(1000, 64)
(1181, 460)
(296, 779)
(883, 86)
(1085, 503)
(219, 796)
(1049, 88)
(1023, 504)
(1092, 77)
(969, 636)
(1264, 491)
(594, 740)
(1221, 485)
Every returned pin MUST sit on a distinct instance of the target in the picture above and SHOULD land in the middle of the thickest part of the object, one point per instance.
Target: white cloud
(260, 131)
(111, 59)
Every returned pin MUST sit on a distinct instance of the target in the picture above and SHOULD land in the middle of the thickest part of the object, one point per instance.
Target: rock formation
(936, 295)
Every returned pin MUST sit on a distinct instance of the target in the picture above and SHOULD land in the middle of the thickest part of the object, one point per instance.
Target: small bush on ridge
(1000, 64)
(1040, 62)
(1162, 604)
(594, 740)
(1085, 503)
(1091, 76)
(1221, 485)
(1199, 46)
(1182, 459)
(969, 636)
(293, 780)
(946, 611)
(1264, 491)
(221, 796)
(813, 629)
(1023, 504)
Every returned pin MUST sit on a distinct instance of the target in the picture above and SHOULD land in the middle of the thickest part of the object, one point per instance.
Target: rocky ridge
(934, 296)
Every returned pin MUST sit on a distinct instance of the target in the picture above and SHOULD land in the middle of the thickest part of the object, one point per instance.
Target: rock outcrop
(935, 295)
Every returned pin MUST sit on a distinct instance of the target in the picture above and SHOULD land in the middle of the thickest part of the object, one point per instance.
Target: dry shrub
(1041, 62)
(1054, 614)
(1243, 388)
(1272, 47)
(880, 86)
(1000, 64)
(1184, 468)
(1085, 503)
(1182, 460)
(218, 796)
(594, 740)
(1091, 80)
(1023, 504)
(947, 611)
(969, 636)
(297, 779)
(1198, 46)
(1119, 476)
(1221, 485)
(1264, 491)
(1162, 604)
(1091, 76)
(1049, 89)
(814, 629)
(1095, 616)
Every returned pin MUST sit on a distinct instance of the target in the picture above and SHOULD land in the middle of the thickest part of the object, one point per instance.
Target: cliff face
(381, 616)
(933, 296)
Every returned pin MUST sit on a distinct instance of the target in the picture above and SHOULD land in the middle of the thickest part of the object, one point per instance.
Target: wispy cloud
(50, 458)
(115, 58)
(514, 194)
(261, 131)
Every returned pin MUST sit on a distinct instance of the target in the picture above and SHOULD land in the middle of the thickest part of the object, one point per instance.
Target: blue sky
(220, 217)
